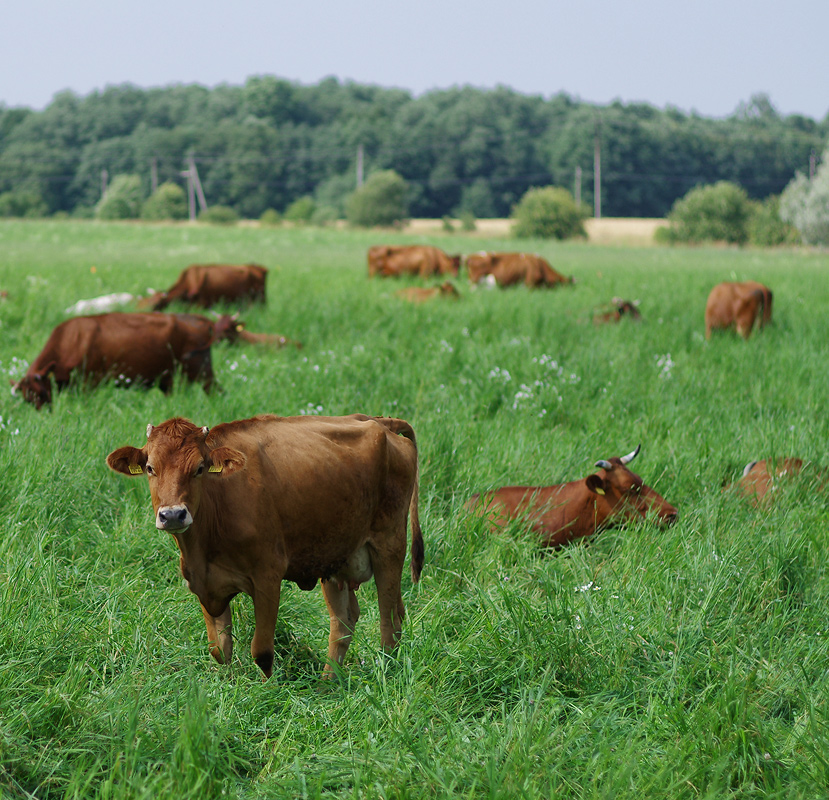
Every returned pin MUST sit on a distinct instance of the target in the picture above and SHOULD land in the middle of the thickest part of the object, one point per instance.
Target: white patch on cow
(100, 305)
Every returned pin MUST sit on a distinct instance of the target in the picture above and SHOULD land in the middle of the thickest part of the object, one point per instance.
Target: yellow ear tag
(214, 468)
(600, 491)
(240, 328)
(136, 470)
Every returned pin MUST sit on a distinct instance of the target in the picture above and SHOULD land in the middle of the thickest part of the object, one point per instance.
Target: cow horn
(604, 464)
(748, 467)
(630, 456)
(149, 429)
(205, 430)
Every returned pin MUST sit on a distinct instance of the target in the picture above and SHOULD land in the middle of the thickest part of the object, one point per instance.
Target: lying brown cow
(509, 269)
(621, 308)
(207, 284)
(421, 294)
(389, 261)
(738, 305)
(135, 348)
(563, 513)
(761, 479)
(258, 501)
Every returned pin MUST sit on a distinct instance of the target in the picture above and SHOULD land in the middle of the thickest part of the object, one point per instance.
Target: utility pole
(597, 170)
(153, 175)
(812, 162)
(191, 194)
(104, 177)
(194, 188)
(195, 173)
(577, 192)
(359, 165)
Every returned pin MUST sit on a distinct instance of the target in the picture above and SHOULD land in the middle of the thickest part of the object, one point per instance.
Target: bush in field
(805, 204)
(167, 202)
(766, 228)
(219, 215)
(270, 218)
(381, 200)
(548, 212)
(716, 213)
(122, 199)
(22, 203)
(301, 210)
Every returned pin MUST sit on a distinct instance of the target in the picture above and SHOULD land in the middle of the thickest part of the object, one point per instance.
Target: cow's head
(177, 459)
(227, 327)
(623, 495)
(35, 388)
(447, 289)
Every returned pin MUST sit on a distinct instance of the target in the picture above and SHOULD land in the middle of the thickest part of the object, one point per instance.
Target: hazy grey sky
(701, 55)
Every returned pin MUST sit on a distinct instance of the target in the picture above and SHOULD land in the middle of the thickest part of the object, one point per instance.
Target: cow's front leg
(265, 609)
(219, 638)
(344, 611)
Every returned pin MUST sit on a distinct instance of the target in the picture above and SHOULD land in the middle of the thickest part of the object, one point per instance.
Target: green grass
(690, 662)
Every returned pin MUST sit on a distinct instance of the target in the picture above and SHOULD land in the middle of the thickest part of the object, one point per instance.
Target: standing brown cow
(207, 284)
(509, 269)
(562, 513)
(305, 499)
(389, 261)
(738, 305)
(134, 348)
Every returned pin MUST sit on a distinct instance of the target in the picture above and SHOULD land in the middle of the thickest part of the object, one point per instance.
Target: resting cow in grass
(422, 294)
(620, 309)
(133, 348)
(305, 499)
(738, 305)
(391, 261)
(761, 480)
(562, 513)
(205, 285)
(509, 269)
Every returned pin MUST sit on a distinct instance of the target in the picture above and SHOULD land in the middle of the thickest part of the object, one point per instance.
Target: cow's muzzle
(173, 518)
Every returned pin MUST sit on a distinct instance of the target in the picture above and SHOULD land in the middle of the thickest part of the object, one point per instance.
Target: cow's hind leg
(388, 568)
(344, 611)
(219, 638)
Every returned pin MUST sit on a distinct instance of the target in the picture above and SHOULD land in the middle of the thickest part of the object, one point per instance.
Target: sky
(703, 56)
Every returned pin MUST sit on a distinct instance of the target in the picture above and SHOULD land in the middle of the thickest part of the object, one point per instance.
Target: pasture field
(691, 662)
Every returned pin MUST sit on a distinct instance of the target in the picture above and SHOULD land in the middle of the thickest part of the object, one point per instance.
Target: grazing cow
(423, 260)
(421, 294)
(305, 499)
(621, 308)
(509, 269)
(207, 284)
(761, 479)
(134, 348)
(738, 305)
(563, 513)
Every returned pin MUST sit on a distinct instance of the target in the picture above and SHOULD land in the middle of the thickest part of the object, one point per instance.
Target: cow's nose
(173, 517)
(672, 518)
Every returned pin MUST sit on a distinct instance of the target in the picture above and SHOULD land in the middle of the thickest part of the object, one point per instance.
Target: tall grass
(690, 662)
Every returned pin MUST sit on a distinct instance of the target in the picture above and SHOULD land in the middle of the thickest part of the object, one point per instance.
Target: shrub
(22, 203)
(467, 220)
(715, 213)
(270, 218)
(805, 204)
(766, 228)
(324, 215)
(122, 199)
(447, 224)
(548, 212)
(167, 202)
(381, 200)
(301, 210)
(219, 215)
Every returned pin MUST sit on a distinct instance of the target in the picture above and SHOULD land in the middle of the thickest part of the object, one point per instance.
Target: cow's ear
(595, 483)
(128, 461)
(225, 461)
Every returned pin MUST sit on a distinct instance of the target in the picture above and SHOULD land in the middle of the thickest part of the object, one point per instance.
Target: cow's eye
(150, 470)
(199, 469)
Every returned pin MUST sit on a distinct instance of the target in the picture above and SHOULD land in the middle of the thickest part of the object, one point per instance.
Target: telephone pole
(597, 170)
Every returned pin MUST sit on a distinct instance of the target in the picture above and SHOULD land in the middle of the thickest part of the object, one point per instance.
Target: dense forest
(271, 141)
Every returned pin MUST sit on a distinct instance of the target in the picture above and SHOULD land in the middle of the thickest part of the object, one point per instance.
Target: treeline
(265, 144)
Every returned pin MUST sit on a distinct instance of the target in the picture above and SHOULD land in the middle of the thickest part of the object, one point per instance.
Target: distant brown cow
(761, 479)
(565, 512)
(421, 294)
(305, 499)
(207, 284)
(390, 261)
(621, 308)
(509, 269)
(134, 348)
(738, 305)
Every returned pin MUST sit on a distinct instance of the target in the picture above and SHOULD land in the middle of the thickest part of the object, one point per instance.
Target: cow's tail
(418, 552)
